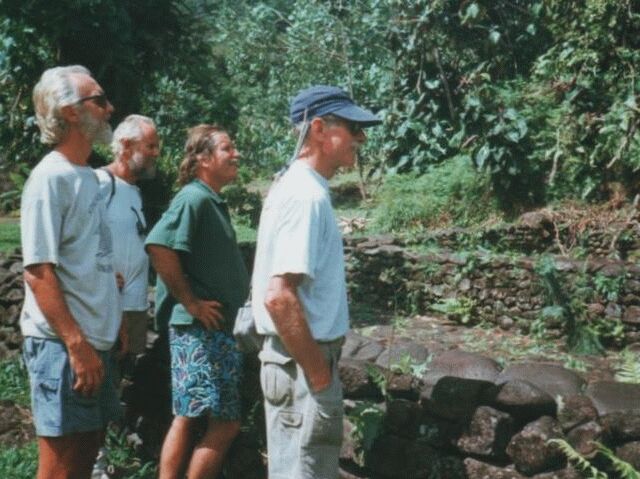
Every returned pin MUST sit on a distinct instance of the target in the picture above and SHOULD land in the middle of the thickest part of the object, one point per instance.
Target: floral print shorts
(206, 371)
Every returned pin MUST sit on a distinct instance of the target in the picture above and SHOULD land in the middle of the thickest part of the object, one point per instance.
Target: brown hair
(200, 140)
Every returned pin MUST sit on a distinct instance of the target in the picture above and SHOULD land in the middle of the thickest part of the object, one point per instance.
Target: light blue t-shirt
(126, 222)
(62, 223)
(299, 234)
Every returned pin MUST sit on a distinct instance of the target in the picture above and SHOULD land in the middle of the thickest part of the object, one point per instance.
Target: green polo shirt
(198, 227)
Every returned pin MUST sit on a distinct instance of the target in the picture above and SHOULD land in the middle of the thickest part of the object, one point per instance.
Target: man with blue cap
(299, 290)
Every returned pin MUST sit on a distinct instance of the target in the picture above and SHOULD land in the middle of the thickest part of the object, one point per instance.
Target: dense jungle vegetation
(517, 102)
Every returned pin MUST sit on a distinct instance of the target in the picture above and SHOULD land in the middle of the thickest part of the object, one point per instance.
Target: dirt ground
(438, 334)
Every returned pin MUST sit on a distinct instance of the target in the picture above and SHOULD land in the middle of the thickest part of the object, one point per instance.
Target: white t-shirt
(299, 234)
(125, 217)
(62, 222)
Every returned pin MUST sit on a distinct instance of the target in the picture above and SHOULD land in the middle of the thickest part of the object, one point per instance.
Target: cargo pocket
(46, 397)
(325, 425)
(276, 377)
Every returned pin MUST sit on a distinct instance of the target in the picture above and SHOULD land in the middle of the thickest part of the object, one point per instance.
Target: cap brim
(358, 115)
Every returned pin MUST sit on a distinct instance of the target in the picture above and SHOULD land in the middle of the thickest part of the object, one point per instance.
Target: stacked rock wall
(502, 289)
(536, 233)
(467, 417)
(11, 298)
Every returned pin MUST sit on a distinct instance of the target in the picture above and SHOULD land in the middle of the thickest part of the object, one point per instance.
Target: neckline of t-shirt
(321, 179)
(62, 156)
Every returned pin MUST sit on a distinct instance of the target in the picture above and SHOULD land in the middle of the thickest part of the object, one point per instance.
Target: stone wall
(455, 415)
(500, 289)
(535, 232)
(11, 299)
(465, 416)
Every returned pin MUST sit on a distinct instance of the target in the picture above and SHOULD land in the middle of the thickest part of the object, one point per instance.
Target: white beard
(137, 165)
(97, 131)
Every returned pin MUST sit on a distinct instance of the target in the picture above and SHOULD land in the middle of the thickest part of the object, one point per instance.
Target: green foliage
(449, 193)
(379, 378)
(407, 365)
(122, 456)
(9, 236)
(19, 462)
(609, 288)
(14, 382)
(367, 420)
(580, 462)
(629, 367)
(243, 203)
(540, 97)
(582, 338)
(459, 309)
(622, 469)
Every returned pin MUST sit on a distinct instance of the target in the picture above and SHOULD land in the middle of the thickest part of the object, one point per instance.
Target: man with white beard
(71, 316)
(135, 147)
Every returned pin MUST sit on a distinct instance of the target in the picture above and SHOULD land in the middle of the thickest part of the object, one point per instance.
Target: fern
(578, 460)
(367, 420)
(581, 337)
(626, 470)
(629, 369)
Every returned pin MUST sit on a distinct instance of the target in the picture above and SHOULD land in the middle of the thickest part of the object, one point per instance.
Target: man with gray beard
(135, 147)
(71, 315)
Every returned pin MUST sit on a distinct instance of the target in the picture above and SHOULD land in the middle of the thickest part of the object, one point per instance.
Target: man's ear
(317, 127)
(127, 148)
(70, 114)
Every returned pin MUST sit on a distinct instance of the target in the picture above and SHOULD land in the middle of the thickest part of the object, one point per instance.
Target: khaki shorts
(304, 429)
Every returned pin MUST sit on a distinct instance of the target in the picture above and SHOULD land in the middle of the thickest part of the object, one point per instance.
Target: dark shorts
(57, 409)
(206, 370)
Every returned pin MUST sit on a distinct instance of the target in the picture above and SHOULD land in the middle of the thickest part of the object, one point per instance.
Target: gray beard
(136, 165)
(97, 131)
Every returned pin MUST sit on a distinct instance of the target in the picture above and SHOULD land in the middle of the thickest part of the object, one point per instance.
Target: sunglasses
(100, 100)
(354, 128)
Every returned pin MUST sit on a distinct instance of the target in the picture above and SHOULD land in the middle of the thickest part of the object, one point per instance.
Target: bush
(451, 193)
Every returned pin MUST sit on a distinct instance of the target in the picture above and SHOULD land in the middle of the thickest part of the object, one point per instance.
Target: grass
(16, 462)
(19, 462)
(9, 235)
(14, 383)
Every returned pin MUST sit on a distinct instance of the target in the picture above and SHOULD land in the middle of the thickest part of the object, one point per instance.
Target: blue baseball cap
(320, 100)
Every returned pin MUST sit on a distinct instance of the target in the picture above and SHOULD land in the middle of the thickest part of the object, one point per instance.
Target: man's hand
(169, 267)
(320, 377)
(207, 312)
(85, 362)
(88, 368)
(119, 281)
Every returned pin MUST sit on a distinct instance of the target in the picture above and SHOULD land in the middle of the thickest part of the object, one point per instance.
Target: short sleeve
(297, 238)
(176, 226)
(40, 221)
